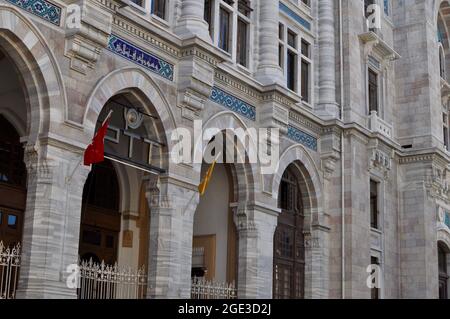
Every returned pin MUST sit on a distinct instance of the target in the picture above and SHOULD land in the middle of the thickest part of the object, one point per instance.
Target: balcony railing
(379, 125)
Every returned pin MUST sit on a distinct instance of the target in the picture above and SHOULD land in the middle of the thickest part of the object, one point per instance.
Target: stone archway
(316, 237)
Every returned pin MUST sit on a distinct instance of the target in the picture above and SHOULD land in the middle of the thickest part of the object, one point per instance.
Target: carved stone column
(327, 106)
(52, 220)
(172, 208)
(256, 228)
(269, 71)
(192, 22)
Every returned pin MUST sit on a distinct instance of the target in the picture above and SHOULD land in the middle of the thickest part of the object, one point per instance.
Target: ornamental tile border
(233, 103)
(284, 8)
(447, 219)
(41, 8)
(141, 57)
(301, 137)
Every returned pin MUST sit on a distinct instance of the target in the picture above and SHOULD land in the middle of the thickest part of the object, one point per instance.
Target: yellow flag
(205, 181)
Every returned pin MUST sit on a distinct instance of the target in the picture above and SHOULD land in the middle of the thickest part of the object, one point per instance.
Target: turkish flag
(95, 152)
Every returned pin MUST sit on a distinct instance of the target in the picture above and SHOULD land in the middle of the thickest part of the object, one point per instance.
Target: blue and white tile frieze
(145, 59)
(301, 137)
(284, 8)
(233, 103)
(42, 8)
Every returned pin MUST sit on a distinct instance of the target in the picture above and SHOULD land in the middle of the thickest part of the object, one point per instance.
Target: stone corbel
(328, 163)
(195, 81)
(153, 190)
(275, 112)
(373, 44)
(88, 27)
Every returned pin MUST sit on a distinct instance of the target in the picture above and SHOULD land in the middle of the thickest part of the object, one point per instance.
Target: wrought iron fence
(9, 270)
(102, 281)
(206, 289)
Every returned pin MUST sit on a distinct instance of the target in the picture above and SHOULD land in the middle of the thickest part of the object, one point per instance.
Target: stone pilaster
(268, 71)
(172, 208)
(327, 106)
(191, 22)
(256, 228)
(52, 220)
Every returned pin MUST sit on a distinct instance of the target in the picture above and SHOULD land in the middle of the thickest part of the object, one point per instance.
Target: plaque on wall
(127, 239)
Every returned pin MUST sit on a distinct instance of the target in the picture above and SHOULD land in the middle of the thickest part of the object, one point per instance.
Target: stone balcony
(378, 125)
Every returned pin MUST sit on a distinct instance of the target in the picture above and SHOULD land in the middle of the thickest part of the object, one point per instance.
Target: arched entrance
(13, 175)
(443, 261)
(289, 248)
(100, 218)
(12, 184)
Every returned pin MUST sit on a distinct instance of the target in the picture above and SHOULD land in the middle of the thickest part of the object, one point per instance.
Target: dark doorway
(289, 250)
(12, 184)
(100, 218)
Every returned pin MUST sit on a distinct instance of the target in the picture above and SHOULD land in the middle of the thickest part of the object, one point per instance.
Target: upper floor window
(387, 8)
(229, 26)
(307, 2)
(159, 8)
(295, 60)
(374, 214)
(373, 91)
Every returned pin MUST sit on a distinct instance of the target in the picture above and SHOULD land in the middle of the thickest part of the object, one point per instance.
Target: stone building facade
(360, 100)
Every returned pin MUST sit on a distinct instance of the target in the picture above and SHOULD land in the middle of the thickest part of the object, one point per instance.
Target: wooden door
(289, 252)
(12, 184)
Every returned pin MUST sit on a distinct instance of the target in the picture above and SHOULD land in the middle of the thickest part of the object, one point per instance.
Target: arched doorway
(289, 248)
(13, 174)
(12, 184)
(100, 218)
(443, 271)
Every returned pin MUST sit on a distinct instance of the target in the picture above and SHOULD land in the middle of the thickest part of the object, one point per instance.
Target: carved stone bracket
(88, 26)
(380, 158)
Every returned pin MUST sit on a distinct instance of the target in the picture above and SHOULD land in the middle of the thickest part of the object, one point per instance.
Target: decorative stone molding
(195, 80)
(373, 44)
(85, 42)
(330, 146)
(380, 158)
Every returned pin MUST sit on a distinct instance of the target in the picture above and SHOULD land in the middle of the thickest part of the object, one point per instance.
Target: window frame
(284, 27)
(234, 16)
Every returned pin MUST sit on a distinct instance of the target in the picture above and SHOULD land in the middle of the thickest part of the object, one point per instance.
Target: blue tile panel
(301, 137)
(447, 219)
(136, 55)
(284, 8)
(233, 103)
(42, 8)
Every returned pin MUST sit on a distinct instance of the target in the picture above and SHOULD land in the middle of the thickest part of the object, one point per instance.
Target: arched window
(12, 168)
(289, 248)
(443, 274)
(442, 62)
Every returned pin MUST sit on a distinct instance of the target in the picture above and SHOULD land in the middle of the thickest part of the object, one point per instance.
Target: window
(208, 14)
(159, 8)
(374, 223)
(387, 9)
(12, 221)
(305, 48)
(445, 121)
(294, 57)
(291, 70)
(373, 91)
(241, 54)
(443, 274)
(306, 2)
(367, 3)
(224, 36)
(375, 292)
(232, 21)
